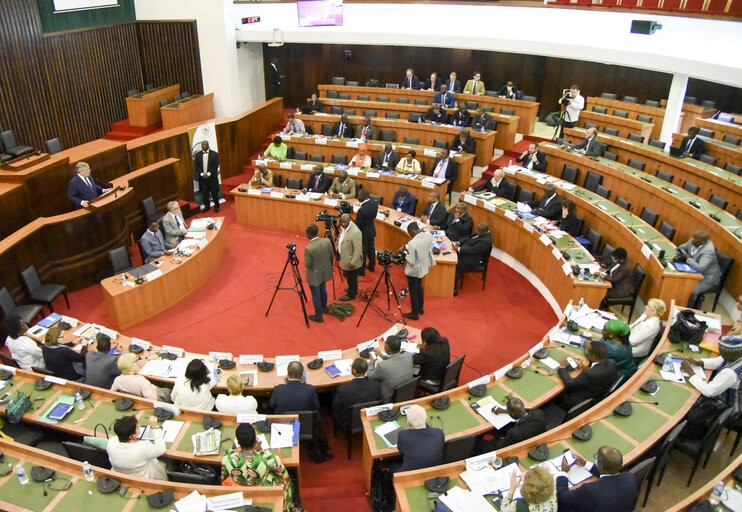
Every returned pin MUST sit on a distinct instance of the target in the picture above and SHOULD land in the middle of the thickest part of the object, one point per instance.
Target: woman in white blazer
(646, 327)
(194, 388)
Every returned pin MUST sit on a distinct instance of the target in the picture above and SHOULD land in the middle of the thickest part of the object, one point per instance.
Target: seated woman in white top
(24, 350)
(133, 457)
(235, 403)
(646, 327)
(130, 382)
(194, 388)
(361, 159)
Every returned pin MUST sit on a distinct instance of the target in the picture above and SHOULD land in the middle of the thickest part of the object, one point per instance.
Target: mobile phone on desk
(572, 363)
(568, 456)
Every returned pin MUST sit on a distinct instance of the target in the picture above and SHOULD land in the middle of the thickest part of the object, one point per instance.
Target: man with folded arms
(593, 382)
(358, 391)
(390, 370)
(421, 446)
(473, 251)
(350, 247)
(318, 262)
(343, 187)
(153, 244)
(173, 224)
(613, 491)
(262, 177)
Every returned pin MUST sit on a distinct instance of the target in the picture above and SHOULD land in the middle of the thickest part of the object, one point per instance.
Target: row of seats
(178, 97)
(717, 7)
(652, 103)
(613, 131)
(39, 293)
(132, 92)
(621, 113)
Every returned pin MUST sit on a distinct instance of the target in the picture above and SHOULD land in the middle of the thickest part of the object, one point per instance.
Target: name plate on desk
(351, 144)
(488, 206)
(146, 345)
(427, 184)
(499, 374)
(173, 350)
(251, 358)
(557, 253)
(330, 202)
(373, 411)
(156, 273)
(567, 269)
(380, 216)
(302, 197)
(253, 191)
(201, 244)
(646, 251)
(250, 418)
(480, 461)
(372, 174)
(276, 195)
(353, 172)
(320, 140)
(55, 380)
(468, 198)
(510, 214)
(7, 368)
(510, 170)
(481, 380)
(538, 346)
(218, 356)
(545, 240)
(330, 355)
(286, 359)
(528, 227)
(430, 152)
(306, 167)
(285, 165)
(541, 181)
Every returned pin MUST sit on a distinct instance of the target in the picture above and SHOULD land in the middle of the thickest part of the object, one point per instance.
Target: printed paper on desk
(194, 502)
(249, 378)
(173, 350)
(541, 181)
(351, 144)
(264, 444)
(226, 501)
(646, 251)
(375, 410)
(250, 418)
(330, 355)
(510, 214)
(344, 365)
(480, 481)
(528, 227)
(353, 171)
(370, 174)
(330, 202)
(320, 140)
(567, 269)
(156, 368)
(201, 244)
(390, 332)
(480, 461)
(282, 436)
(285, 165)
(545, 240)
(468, 198)
(411, 348)
(556, 253)
(218, 356)
(430, 152)
(154, 275)
(282, 370)
(251, 358)
(481, 380)
(550, 362)
(427, 184)
(460, 500)
(499, 374)
(380, 216)
(276, 195)
(489, 206)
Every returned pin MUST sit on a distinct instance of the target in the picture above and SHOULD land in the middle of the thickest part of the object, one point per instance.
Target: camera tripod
(389, 284)
(335, 254)
(298, 286)
(560, 122)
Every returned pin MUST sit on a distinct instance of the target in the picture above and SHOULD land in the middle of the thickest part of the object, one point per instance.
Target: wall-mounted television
(320, 13)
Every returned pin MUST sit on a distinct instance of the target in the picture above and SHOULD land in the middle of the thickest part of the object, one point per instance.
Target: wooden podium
(144, 108)
(189, 110)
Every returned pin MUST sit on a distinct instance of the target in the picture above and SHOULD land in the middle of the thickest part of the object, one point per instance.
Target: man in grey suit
(153, 244)
(318, 262)
(392, 371)
(350, 247)
(591, 146)
(173, 224)
(419, 260)
(699, 253)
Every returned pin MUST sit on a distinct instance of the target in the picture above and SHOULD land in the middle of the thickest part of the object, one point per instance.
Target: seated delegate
(537, 489)
(343, 187)
(173, 224)
(593, 381)
(433, 83)
(262, 177)
(25, 351)
(645, 328)
(138, 385)
(392, 370)
(445, 97)
(235, 402)
(59, 358)
(568, 222)
(387, 159)
(433, 358)
(403, 201)
(464, 143)
(421, 446)
(277, 150)
(358, 391)
(409, 164)
(136, 458)
(361, 159)
(528, 423)
(294, 125)
(616, 339)
(193, 389)
(473, 252)
(153, 244)
(460, 225)
(550, 204)
(699, 252)
(619, 275)
(101, 368)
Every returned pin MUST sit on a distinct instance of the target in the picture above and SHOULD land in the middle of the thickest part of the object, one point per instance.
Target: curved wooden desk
(144, 107)
(83, 495)
(329, 146)
(193, 109)
(632, 435)
(720, 128)
(527, 245)
(674, 204)
(527, 111)
(130, 305)
(724, 152)
(691, 113)
(624, 125)
(623, 229)
(704, 491)
(256, 209)
(633, 109)
(385, 185)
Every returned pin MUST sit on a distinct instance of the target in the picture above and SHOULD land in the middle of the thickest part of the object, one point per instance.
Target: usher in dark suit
(551, 210)
(322, 186)
(79, 190)
(209, 186)
(540, 157)
(365, 218)
(404, 204)
(357, 391)
(530, 425)
(592, 382)
(436, 214)
(609, 493)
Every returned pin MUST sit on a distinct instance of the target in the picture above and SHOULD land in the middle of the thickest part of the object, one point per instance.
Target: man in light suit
(392, 371)
(82, 187)
(343, 187)
(366, 130)
(365, 220)
(404, 201)
(699, 252)
(318, 181)
(445, 97)
(153, 244)
(358, 391)
(550, 204)
(692, 145)
(318, 262)
(206, 173)
(387, 159)
(173, 224)
(475, 85)
(591, 146)
(262, 177)
(453, 85)
(419, 260)
(350, 247)
(473, 252)
(435, 212)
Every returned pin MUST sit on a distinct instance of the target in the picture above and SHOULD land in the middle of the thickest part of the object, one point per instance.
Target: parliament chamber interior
(327, 255)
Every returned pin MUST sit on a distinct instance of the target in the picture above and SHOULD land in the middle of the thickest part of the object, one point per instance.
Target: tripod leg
(390, 283)
(299, 288)
(370, 298)
(278, 287)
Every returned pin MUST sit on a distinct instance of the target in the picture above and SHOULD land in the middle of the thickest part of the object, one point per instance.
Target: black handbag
(687, 328)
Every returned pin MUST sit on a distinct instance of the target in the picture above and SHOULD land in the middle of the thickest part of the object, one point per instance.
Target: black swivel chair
(610, 131)
(636, 138)
(7, 138)
(405, 391)
(636, 164)
(53, 146)
(149, 210)
(570, 173)
(28, 312)
(608, 155)
(643, 118)
(718, 201)
(592, 180)
(665, 176)
(637, 276)
(450, 377)
(649, 216)
(84, 452)
(667, 230)
(293, 183)
(40, 292)
(690, 187)
(707, 159)
(595, 239)
(630, 99)
(355, 426)
(620, 113)
(698, 449)
(657, 143)
(120, 260)
(603, 191)
(600, 110)
(623, 203)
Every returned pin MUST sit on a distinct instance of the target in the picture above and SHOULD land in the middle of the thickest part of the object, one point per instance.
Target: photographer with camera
(318, 262)
(574, 102)
(350, 248)
(365, 218)
(419, 260)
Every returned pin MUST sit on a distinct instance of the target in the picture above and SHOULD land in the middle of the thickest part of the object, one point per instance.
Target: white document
(198, 235)
(373, 411)
(485, 411)
(282, 436)
(461, 500)
(282, 370)
(170, 429)
(523, 207)
(156, 368)
(386, 428)
(55, 380)
(314, 195)
(411, 348)
(351, 144)
(577, 474)
(194, 502)
(550, 362)
(593, 268)
(201, 244)
(646, 251)
(264, 444)
(480, 481)
(500, 374)
(367, 345)
(344, 366)
(330, 202)
(567, 269)
(330, 355)
(713, 323)
(226, 501)
(251, 359)
(302, 197)
(250, 418)
(673, 376)
(380, 216)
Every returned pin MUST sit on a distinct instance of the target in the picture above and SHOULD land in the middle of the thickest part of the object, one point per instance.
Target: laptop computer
(143, 270)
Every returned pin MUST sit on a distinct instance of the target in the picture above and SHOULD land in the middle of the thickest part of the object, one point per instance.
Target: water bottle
(87, 471)
(667, 365)
(582, 274)
(123, 280)
(21, 474)
(582, 302)
(716, 495)
(510, 162)
(286, 189)
(78, 401)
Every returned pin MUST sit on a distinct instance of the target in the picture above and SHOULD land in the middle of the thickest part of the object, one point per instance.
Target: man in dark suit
(499, 186)
(619, 275)
(206, 173)
(387, 159)
(366, 130)
(421, 446)
(404, 201)
(410, 80)
(482, 121)
(436, 114)
(365, 220)
(453, 85)
(464, 143)
(435, 212)
(550, 204)
(613, 491)
(528, 423)
(591, 146)
(460, 225)
(273, 79)
(357, 391)
(473, 252)
(692, 145)
(509, 91)
(445, 97)
(152, 243)
(342, 128)
(318, 181)
(313, 106)
(82, 187)
(461, 117)
(593, 382)
(446, 167)
(433, 83)
(532, 158)
(318, 262)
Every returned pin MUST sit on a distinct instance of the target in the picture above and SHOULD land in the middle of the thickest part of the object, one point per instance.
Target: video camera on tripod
(387, 257)
(344, 207)
(566, 96)
(327, 218)
(291, 248)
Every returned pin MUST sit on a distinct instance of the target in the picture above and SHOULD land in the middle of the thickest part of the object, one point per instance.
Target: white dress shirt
(138, 458)
(205, 157)
(182, 394)
(25, 351)
(236, 404)
(440, 170)
(725, 379)
(573, 109)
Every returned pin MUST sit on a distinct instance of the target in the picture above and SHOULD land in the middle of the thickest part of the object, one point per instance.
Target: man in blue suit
(404, 201)
(152, 243)
(82, 188)
(445, 97)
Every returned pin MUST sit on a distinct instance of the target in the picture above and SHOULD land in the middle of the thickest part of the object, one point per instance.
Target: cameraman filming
(350, 247)
(574, 103)
(419, 260)
(318, 262)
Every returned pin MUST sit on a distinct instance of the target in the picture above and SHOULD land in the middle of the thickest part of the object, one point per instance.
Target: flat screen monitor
(320, 13)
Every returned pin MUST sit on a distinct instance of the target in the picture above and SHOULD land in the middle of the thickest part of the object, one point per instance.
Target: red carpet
(491, 327)
(123, 131)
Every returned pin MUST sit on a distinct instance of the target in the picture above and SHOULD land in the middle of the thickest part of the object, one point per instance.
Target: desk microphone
(715, 215)
(102, 184)
(695, 205)
(644, 178)
(640, 402)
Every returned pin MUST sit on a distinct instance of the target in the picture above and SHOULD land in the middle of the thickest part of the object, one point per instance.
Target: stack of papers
(206, 443)
(389, 433)
(157, 368)
(460, 500)
(282, 435)
(486, 480)
(484, 408)
(196, 502)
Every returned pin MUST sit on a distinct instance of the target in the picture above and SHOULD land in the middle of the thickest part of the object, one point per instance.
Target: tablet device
(332, 370)
(59, 412)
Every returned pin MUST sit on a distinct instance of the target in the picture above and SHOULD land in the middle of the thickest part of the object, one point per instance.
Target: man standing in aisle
(318, 262)
(365, 217)
(575, 102)
(419, 260)
(350, 248)
(206, 173)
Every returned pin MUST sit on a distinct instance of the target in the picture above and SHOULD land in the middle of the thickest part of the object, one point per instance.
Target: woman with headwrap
(616, 338)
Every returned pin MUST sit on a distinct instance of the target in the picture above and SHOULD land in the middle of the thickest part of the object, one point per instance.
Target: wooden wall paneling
(47, 189)
(161, 184)
(174, 146)
(14, 208)
(169, 54)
